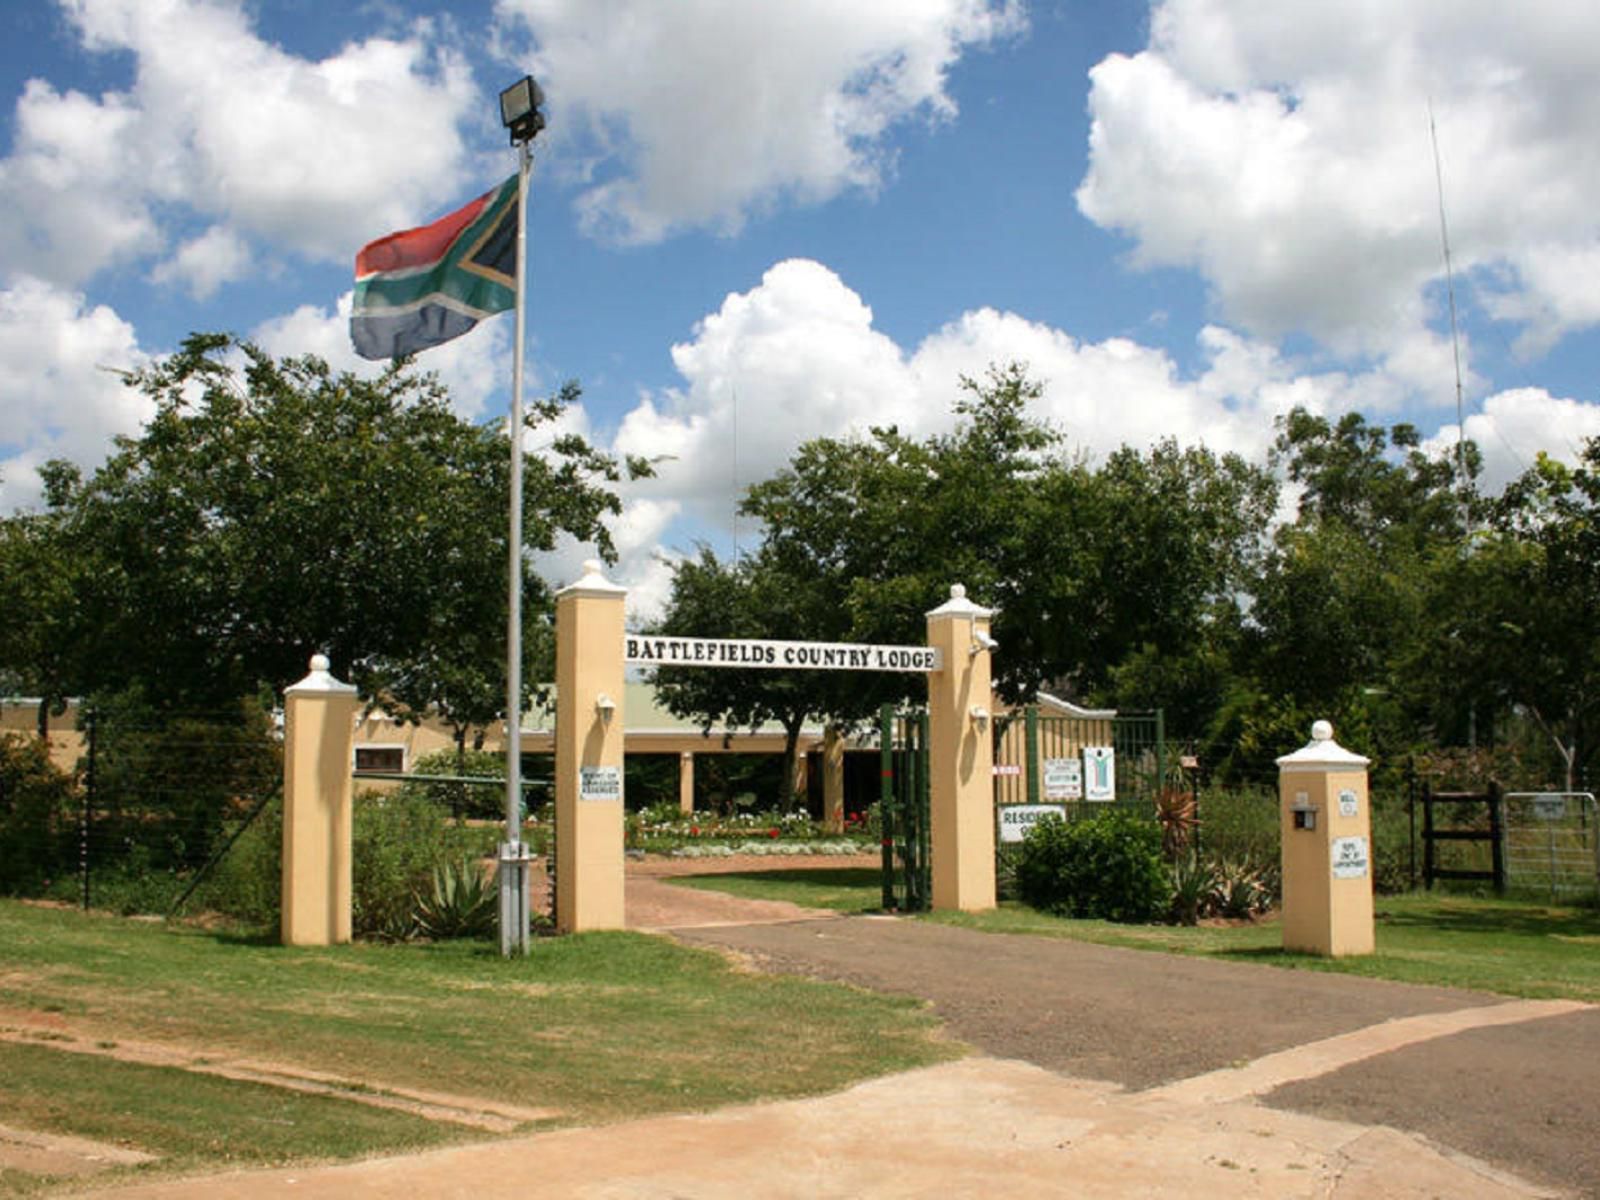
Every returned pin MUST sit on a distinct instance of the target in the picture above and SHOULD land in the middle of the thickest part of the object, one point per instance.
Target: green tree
(275, 507)
(1519, 607)
(757, 597)
(1149, 555)
(1345, 607)
(41, 636)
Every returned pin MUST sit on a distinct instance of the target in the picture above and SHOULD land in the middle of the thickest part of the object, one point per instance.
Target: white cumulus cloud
(1515, 426)
(1283, 151)
(316, 157)
(701, 112)
(61, 391)
(797, 357)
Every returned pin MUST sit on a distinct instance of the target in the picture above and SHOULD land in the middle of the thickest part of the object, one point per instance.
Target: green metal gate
(1030, 741)
(903, 806)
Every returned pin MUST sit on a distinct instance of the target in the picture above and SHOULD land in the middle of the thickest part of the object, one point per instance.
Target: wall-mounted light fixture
(981, 641)
(980, 716)
(605, 707)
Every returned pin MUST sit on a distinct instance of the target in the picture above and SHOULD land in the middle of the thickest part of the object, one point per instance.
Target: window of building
(391, 759)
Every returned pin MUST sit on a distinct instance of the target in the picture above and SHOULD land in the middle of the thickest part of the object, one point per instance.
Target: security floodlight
(519, 110)
(981, 641)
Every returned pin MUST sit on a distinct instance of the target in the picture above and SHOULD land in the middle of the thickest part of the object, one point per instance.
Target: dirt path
(978, 1128)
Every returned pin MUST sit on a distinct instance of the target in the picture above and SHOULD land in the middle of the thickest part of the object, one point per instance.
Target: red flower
(772, 833)
(694, 831)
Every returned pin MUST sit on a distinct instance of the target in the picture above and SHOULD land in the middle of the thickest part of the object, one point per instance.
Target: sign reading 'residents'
(648, 651)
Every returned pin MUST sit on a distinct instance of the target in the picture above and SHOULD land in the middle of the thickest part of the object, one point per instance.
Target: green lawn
(1520, 947)
(842, 889)
(598, 1026)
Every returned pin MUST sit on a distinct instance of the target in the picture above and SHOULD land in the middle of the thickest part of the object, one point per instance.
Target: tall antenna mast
(736, 475)
(1455, 337)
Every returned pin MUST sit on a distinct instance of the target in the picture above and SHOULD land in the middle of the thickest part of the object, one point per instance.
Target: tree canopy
(272, 508)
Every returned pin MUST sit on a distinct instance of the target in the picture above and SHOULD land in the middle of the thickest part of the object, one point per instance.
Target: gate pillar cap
(959, 606)
(592, 583)
(320, 681)
(1322, 753)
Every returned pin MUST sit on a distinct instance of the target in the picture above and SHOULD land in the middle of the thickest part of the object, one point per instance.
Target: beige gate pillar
(961, 756)
(589, 635)
(686, 783)
(1327, 848)
(833, 780)
(318, 744)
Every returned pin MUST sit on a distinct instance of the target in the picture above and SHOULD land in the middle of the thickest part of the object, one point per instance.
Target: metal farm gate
(903, 807)
(1551, 842)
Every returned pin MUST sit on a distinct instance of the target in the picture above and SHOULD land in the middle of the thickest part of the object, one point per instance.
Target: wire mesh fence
(148, 799)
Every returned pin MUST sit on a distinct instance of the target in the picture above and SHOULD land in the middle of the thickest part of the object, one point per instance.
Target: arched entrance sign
(592, 652)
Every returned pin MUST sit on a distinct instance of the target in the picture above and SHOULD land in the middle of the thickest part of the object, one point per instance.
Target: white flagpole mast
(519, 108)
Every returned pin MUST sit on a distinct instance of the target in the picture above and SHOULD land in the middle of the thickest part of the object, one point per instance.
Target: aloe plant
(1193, 882)
(463, 902)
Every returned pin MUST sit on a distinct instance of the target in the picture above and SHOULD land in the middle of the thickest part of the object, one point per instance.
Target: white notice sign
(1063, 779)
(1350, 858)
(1550, 807)
(1347, 803)
(1099, 773)
(599, 783)
(1017, 819)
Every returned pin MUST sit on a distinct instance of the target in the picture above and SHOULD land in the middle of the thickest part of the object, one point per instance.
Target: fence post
(1497, 845)
(86, 822)
(318, 745)
(1161, 753)
(1031, 739)
(1427, 836)
(886, 800)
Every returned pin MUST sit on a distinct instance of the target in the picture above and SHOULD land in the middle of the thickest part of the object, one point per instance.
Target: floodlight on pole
(519, 110)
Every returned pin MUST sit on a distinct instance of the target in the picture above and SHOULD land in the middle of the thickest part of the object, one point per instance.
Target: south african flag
(421, 287)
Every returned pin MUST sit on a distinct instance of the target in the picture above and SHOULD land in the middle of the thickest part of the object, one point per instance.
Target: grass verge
(1515, 947)
(600, 1026)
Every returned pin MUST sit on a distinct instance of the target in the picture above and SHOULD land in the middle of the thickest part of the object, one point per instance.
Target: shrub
(248, 883)
(38, 822)
(485, 801)
(397, 841)
(1106, 866)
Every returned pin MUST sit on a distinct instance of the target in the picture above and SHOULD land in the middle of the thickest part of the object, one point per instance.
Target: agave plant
(1193, 882)
(1241, 890)
(462, 904)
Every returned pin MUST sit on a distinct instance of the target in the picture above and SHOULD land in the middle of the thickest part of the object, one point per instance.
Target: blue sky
(756, 223)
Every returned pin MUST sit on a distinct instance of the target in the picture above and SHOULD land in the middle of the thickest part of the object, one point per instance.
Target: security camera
(981, 641)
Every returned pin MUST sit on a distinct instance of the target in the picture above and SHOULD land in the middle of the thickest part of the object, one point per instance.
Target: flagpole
(514, 857)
